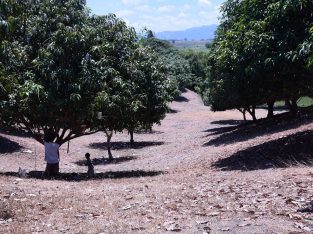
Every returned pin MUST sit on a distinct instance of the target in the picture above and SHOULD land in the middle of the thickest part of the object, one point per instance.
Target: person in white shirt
(52, 156)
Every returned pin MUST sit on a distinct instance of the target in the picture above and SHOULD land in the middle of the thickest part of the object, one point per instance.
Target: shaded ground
(199, 172)
(293, 150)
(241, 131)
(8, 146)
(77, 177)
(119, 145)
(105, 161)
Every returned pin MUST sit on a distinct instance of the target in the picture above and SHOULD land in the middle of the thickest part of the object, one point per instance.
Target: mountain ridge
(205, 32)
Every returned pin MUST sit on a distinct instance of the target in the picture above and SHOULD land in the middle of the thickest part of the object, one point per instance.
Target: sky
(160, 15)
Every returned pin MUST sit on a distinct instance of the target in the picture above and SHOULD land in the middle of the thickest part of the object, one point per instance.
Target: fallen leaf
(244, 224)
(126, 207)
(213, 214)
(202, 222)
(173, 228)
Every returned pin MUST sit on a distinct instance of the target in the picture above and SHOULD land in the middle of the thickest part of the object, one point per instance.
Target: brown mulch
(199, 172)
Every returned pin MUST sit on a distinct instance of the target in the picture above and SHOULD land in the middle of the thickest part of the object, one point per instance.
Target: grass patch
(279, 104)
(302, 102)
(196, 45)
(305, 102)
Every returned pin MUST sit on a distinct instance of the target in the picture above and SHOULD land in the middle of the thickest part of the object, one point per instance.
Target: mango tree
(137, 96)
(116, 51)
(49, 52)
(149, 86)
(254, 58)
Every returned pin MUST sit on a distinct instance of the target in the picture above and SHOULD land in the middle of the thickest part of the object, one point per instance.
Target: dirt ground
(198, 172)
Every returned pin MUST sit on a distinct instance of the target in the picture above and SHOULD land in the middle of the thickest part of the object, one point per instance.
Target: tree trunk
(288, 105)
(243, 111)
(270, 107)
(244, 116)
(109, 135)
(294, 106)
(252, 113)
(132, 142)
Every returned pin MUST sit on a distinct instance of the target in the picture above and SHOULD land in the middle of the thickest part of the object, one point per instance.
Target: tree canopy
(178, 69)
(256, 56)
(138, 99)
(46, 53)
(60, 65)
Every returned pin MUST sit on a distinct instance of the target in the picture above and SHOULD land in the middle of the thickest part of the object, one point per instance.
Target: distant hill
(196, 33)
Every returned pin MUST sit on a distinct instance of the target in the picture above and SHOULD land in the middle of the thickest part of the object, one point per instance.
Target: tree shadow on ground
(293, 150)
(172, 111)
(229, 122)
(105, 161)
(120, 145)
(12, 131)
(148, 132)
(231, 126)
(220, 130)
(8, 146)
(181, 99)
(249, 130)
(77, 177)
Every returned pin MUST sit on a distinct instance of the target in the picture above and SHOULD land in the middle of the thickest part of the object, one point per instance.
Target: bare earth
(199, 172)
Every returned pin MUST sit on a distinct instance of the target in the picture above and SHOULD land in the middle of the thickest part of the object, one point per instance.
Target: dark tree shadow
(231, 125)
(148, 132)
(12, 131)
(8, 146)
(172, 111)
(181, 99)
(221, 130)
(105, 161)
(244, 132)
(77, 177)
(230, 122)
(293, 150)
(120, 145)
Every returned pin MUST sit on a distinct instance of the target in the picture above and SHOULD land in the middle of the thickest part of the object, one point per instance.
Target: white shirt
(51, 152)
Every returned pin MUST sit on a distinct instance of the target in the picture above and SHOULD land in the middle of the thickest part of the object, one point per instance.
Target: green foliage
(62, 60)
(5, 89)
(178, 68)
(157, 45)
(306, 50)
(256, 56)
(148, 86)
(44, 52)
(198, 65)
(135, 92)
(59, 66)
(302, 102)
(139, 98)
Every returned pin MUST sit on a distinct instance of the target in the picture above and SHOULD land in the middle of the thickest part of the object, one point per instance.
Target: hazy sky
(160, 15)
